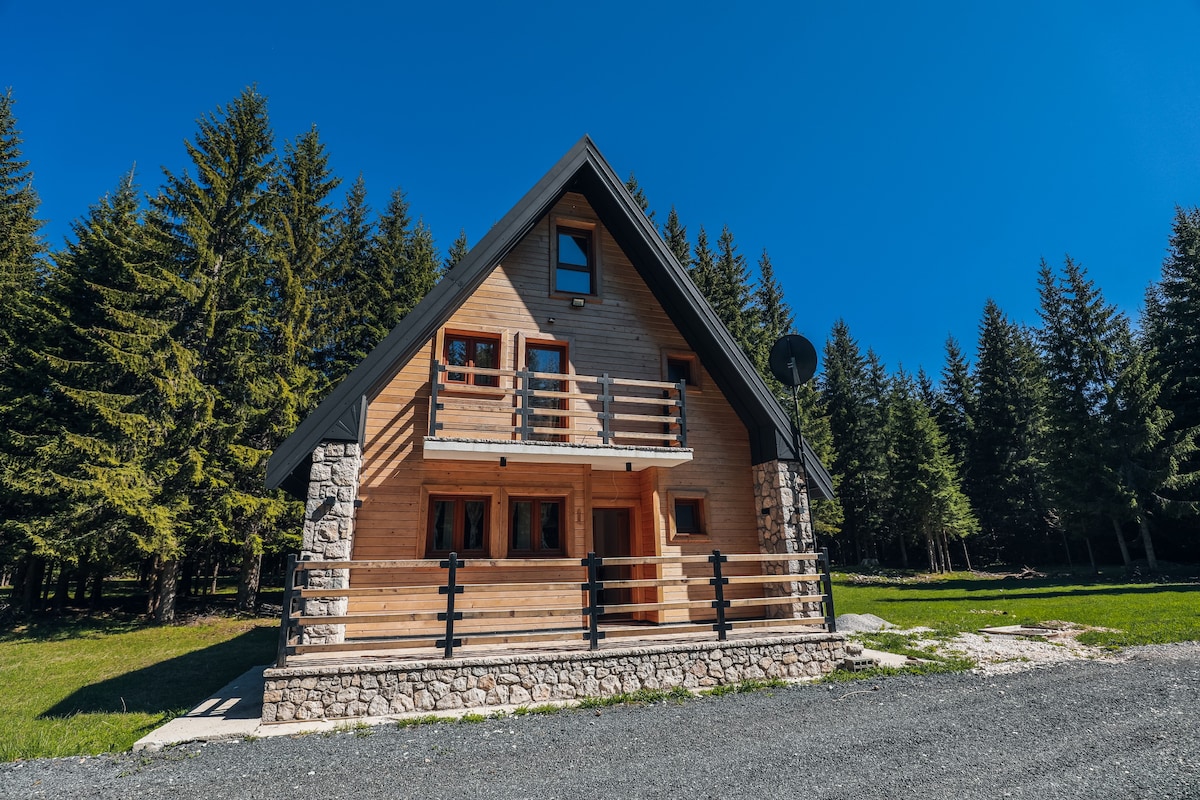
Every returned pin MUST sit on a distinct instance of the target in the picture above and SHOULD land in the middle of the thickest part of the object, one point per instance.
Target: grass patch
(409, 722)
(88, 685)
(1138, 612)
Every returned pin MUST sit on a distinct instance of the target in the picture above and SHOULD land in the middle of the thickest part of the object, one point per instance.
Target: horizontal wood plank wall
(624, 332)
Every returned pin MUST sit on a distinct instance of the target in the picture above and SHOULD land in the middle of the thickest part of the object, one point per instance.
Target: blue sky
(901, 162)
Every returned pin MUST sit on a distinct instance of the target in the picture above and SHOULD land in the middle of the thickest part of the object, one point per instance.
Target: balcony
(479, 414)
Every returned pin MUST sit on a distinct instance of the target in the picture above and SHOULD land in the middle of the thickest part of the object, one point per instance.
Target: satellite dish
(793, 359)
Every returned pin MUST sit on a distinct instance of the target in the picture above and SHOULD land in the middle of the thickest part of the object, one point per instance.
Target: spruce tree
(213, 230)
(1080, 339)
(730, 294)
(1007, 472)
(354, 298)
(703, 269)
(421, 270)
(775, 318)
(639, 196)
(675, 235)
(955, 406)
(458, 250)
(22, 335)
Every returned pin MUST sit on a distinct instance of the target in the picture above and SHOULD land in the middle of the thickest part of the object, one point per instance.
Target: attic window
(575, 270)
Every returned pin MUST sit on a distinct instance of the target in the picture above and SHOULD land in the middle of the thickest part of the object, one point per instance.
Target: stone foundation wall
(362, 690)
(329, 532)
(781, 497)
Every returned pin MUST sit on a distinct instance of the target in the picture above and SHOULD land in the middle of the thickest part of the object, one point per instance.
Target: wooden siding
(622, 331)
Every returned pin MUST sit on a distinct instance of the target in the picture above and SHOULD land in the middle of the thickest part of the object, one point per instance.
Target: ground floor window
(457, 524)
(536, 526)
(689, 516)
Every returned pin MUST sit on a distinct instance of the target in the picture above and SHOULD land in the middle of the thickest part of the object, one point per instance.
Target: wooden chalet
(563, 391)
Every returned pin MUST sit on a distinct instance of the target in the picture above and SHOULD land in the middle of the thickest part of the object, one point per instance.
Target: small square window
(689, 517)
(575, 270)
(680, 369)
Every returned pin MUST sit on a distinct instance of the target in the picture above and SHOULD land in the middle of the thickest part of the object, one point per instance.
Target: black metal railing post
(593, 610)
(523, 407)
(434, 406)
(827, 592)
(450, 615)
(605, 409)
(720, 603)
(285, 624)
(683, 413)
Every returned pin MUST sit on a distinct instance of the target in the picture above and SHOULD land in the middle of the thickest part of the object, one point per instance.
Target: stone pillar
(329, 532)
(781, 497)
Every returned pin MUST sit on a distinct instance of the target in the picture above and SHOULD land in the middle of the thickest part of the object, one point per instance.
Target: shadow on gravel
(172, 685)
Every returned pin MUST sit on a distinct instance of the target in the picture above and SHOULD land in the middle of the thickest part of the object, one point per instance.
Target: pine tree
(703, 269)
(1154, 473)
(1006, 475)
(848, 391)
(458, 251)
(213, 229)
(775, 318)
(22, 335)
(675, 235)
(639, 196)
(1080, 340)
(927, 497)
(354, 299)
(730, 294)
(1173, 324)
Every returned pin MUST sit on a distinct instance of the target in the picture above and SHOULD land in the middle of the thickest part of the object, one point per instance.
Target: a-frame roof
(583, 169)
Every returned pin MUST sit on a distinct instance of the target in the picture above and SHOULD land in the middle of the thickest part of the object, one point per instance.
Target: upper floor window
(474, 350)
(680, 369)
(575, 270)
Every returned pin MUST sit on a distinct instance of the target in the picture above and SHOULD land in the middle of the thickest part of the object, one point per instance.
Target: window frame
(669, 356)
(536, 550)
(699, 501)
(460, 517)
(592, 270)
(473, 339)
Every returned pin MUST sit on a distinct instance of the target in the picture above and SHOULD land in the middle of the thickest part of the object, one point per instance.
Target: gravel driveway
(1104, 729)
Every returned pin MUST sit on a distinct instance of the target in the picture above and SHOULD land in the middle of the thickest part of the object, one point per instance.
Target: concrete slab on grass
(232, 713)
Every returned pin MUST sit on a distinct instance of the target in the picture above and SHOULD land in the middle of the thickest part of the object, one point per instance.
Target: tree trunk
(20, 580)
(33, 585)
(903, 551)
(1121, 541)
(97, 589)
(168, 581)
(247, 599)
(1067, 549)
(216, 571)
(81, 576)
(945, 543)
(1144, 527)
(1091, 556)
(62, 588)
(929, 552)
(966, 555)
(186, 581)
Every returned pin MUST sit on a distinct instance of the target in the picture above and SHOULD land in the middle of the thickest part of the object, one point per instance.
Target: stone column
(329, 532)
(781, 497)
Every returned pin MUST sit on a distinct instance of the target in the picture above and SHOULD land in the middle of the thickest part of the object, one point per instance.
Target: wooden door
(611, 538)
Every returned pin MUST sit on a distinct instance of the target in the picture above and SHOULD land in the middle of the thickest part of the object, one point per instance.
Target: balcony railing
(550, 407)
(437, 617)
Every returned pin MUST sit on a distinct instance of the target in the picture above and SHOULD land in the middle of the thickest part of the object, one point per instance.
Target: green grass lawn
(1138, 613)
(87, 685)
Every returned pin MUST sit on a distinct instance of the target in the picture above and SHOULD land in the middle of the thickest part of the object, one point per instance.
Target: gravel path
(1124, 728)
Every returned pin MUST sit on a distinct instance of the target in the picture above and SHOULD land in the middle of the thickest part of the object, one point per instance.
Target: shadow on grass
(173, 685)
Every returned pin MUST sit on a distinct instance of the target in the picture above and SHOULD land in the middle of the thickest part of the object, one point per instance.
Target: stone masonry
(349, 690)
(329, 532)
(781, 497)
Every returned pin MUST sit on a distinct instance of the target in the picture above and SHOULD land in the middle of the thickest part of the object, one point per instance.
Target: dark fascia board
(585, 170)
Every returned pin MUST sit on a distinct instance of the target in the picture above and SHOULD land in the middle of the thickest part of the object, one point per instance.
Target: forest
(151, 363)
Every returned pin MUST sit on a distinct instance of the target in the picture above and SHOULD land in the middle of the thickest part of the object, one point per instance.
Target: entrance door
(611, 539)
